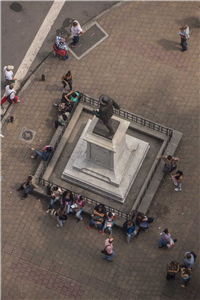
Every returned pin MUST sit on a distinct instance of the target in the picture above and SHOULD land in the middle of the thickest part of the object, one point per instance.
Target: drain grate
(27, 135)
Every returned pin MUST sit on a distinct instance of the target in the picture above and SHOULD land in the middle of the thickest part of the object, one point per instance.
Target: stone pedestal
(107, 167)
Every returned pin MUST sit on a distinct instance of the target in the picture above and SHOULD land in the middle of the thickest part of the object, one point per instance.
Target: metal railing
(129, 116)
(89, 201)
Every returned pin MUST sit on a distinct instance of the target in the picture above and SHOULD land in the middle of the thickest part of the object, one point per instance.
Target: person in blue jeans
(67, 199)
(60, 214)
(131, 232)
(109, 222)
(98, 217)
(28, 186)
(44, 154)
(109, 249)
(79, 202)
(55, 196)
(185, 275)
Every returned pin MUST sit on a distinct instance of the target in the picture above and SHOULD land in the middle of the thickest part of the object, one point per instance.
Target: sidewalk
(141, 67)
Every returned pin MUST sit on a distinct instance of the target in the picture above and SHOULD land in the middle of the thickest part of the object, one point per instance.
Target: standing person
(78, 206)
(108, 250)
(10, 94)
(44, 154)
(172, 270)
(28, 186)
(165, 238)
(76, 30)
(67, 80)
(185, 35)
(109, 222)
(170, 163)
(62, 120)
(188, 260)
(67, 199)
(130, 231)
(185, 275)
(8, 74)
(177, 179)
(60, 214)
(98, 217)
(55, 196)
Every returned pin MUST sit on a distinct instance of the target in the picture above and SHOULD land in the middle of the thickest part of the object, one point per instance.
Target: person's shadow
(169, 45)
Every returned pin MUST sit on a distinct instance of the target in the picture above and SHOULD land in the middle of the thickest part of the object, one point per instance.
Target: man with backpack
(44, 154)
(189, 259)
(129, 229)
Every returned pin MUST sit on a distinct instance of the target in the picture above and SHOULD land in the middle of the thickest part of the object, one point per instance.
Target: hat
(9, 67)
(104, 99)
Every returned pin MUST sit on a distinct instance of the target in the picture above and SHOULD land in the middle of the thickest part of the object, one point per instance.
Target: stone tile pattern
(141, 67)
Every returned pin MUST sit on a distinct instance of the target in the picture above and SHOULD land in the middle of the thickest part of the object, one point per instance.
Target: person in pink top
(78, 206)
(109, 249)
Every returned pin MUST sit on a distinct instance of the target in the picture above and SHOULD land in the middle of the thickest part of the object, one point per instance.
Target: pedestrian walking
(60, 48)
(8, 74)
(28, 186)
(76, 31)
(177, 179)
(185, 275)
(108, 250)
(55, 196)
(10, 94)
(78, 206)
(170, 163)
(62, 120)
(189, 259)
(185, 35)
(172, 270)
(61, 216)
(44, 154)
(98, 217)
(129, 229)
(166, 239)
(67, 80)
(67, 199)
(109, 222)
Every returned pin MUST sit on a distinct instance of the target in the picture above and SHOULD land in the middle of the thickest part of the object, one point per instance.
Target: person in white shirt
(8, 74)
(76, 30)
(184, 33)
(10, 94)
(109, 222)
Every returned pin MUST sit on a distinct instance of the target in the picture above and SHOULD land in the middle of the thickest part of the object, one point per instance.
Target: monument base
(110, 183)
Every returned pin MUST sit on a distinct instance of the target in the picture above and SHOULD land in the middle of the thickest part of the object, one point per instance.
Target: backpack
(49, 148)
(125, 225)
(195, 256)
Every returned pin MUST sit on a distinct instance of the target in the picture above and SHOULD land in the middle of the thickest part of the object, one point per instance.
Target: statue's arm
(116, 105)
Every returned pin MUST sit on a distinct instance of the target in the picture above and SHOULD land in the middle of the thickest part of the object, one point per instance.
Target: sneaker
(110, 260)
(177, 190)
(24, 197)
(52, 211)
(32, 149)
(175, 240)
(32, 157)
(58, 225)
(48, 210)
(18, 101)
(73, 46)
(99, 231)
(88, 227)
(79, 220)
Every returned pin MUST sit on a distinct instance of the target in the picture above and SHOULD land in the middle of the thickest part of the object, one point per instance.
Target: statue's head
(104, 99)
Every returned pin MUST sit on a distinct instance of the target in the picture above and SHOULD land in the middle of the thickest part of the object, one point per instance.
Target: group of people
(170, 166)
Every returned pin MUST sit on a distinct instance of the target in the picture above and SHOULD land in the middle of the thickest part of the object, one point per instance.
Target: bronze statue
(105, 112)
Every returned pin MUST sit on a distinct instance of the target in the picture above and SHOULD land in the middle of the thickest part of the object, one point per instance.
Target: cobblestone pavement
(141, 67)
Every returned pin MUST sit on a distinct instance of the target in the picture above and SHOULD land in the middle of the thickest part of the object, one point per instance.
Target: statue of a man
(106, 111)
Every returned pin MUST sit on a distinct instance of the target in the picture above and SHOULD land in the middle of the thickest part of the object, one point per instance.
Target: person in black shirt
(98, 217)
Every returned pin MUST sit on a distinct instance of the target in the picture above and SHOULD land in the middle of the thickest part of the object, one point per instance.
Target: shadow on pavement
(169, 45)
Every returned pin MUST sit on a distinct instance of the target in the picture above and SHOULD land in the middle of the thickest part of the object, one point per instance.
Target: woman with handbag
(78, 206)
(67, 199)
(109, 222)
(166, 239)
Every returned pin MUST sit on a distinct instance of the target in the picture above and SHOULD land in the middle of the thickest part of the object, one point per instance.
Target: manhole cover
(16, 7)
(27, 135)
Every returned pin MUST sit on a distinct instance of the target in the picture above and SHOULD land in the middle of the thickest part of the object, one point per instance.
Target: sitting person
(28, 186)
(62, 120)
(61, 107)
(172, 270)
(141, 221)
(44, 154)
(170, 163)
(71, 98)
(109, 222)
(129, 228)
(60, 214)
(78, 206)
(177, 179)
(60, 47)
(55, 196)
(67, 199)
(67, 80)
(98, 217)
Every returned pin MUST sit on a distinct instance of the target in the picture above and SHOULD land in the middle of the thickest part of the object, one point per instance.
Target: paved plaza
(141, 67)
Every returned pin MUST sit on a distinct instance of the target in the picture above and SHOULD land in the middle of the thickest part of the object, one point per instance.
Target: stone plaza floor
(141, 67)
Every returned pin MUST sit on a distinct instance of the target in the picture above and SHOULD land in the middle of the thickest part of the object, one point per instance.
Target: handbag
(97, 218)
(171, 244)
(166, 168)
(105, 252)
